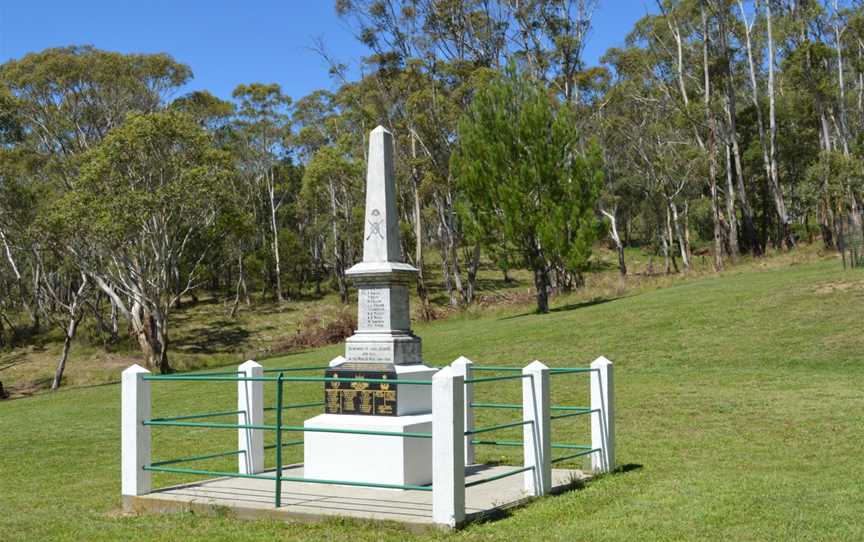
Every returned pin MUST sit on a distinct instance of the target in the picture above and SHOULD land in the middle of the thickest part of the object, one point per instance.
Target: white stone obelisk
(382, 344)
(383, 318)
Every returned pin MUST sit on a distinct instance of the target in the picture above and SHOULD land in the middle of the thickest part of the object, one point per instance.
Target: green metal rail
(279, 440)
(199, 416)
(497, 476)
(574, 456)
(279, 427)
(196, 458)
(496, 405)
(295, 405)
(555, 370)
(579, 412)
(514, 406)
(284, 444)
(227, 474)
(292, 428)
(218, 378)
(494, 378)
(295, 369)
(497, 427)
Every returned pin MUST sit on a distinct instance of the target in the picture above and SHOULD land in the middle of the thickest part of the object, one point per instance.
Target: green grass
(740, 416)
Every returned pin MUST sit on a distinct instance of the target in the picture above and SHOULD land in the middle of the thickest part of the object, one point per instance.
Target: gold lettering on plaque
(368, 398)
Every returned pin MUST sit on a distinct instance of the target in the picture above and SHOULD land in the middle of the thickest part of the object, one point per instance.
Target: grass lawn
(740, 416)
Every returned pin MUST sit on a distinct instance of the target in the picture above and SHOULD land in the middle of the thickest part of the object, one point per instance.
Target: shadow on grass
(216, 337)
(10, 361)
(29, 388)
(568, 307)
(575, 484)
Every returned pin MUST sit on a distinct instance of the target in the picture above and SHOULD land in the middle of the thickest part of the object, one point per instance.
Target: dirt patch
(28, 388)
(840, 286)
(315, 331)
(517, 297)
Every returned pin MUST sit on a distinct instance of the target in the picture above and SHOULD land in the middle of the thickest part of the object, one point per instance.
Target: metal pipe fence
(537, 415)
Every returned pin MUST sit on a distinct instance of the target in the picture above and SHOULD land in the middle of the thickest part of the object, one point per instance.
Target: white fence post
(536, 446)
(134, 435)
(250, 401)
(465, 368)
(603, 415)
(448, 436)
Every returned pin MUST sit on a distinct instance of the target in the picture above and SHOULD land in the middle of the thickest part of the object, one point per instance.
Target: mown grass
(740, 414)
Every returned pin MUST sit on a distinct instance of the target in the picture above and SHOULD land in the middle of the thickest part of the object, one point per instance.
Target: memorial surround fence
(454, 435)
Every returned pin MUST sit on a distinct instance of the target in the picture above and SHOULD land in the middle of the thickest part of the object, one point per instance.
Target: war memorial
(396, 439)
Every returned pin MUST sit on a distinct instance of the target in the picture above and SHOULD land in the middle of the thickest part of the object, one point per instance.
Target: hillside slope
(740, 415)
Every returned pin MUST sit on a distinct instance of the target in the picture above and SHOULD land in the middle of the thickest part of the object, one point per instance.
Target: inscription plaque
(364, 398)
(374, 313)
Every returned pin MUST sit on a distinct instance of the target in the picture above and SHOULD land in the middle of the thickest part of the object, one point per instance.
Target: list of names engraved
(373, 308)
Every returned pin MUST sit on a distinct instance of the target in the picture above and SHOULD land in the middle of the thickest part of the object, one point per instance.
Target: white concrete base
(369, 458)
(246, 498)
(412, 399)
(400, 347)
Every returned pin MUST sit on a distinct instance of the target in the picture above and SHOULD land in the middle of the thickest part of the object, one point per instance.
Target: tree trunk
(541, 283)
(670, 239)
(115, 322)
(64, 354)
(731, 216)
(682, 243)
(767, 161)
(457, 272)
(779, 203)
(271, 189)
(449, 257)
(75, 316)
(162, 338)
(732, 122)
(746, 211)
(237, 289)
(687, 231)
(664, 243)
(711, 147)
(144, 331)
(418, 225)
(473, 268)
(616, 238)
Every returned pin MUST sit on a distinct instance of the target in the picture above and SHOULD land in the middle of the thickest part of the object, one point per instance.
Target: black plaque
(363, 398)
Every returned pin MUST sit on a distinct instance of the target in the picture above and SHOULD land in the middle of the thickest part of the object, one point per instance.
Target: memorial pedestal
(364, 393)
(378, 398)
(376, 459)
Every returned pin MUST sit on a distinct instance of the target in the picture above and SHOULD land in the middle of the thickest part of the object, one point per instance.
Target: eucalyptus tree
(69, 98)
(151, 200)
(650, 156)
(65, 101)
(521, 173)
(426, 54)
(262, 126)
(330, 144)
(19, 208)
(551, 37)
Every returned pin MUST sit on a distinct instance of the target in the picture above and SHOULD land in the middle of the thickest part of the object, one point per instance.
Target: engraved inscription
(373, 308)
(365, 398)
(375, 225)
(369, 352)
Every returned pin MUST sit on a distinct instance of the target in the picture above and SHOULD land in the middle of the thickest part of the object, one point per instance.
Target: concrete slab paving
(250, 498)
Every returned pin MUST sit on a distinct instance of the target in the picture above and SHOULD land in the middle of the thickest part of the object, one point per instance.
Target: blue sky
(228, 43)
